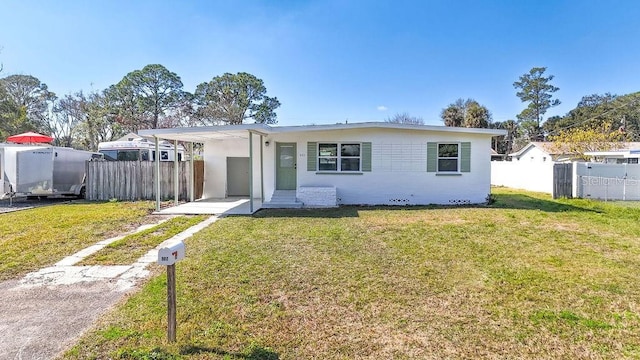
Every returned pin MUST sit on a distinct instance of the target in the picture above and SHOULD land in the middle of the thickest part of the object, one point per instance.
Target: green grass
(128, 249)
(529, 277)
(35, 238)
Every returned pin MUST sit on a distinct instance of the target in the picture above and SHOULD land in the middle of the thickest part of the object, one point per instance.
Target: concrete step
(269, 205)
(283, 199)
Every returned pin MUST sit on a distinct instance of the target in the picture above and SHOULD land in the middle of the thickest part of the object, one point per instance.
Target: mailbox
(170, 255)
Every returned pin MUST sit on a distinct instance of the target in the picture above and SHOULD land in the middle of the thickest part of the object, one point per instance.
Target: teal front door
(286, 166)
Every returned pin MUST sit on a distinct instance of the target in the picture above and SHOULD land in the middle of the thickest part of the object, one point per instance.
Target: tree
(233, 99)
(68, 113)
(535, 89)
(144, 98)
(504, 144)
(405, 118)
(26, 94)
(100, 124)
(577, 141)
(466, 113)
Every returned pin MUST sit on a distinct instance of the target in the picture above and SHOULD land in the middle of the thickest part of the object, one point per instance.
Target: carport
(254, 135)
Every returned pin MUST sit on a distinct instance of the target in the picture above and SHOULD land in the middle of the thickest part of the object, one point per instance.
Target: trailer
(42, 171)
(140, 149)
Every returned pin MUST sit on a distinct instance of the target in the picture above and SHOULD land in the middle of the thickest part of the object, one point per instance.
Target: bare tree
(405, 118)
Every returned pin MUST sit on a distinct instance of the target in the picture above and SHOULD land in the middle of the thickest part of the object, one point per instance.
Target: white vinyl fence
(607, 181)
(532, 176)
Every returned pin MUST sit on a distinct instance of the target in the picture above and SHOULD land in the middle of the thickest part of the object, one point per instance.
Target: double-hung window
(448, 157)
(339, 157)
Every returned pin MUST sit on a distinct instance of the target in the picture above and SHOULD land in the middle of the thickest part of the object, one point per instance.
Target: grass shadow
(254, 352)
(526, 202)
(332, 213)
(502, 201)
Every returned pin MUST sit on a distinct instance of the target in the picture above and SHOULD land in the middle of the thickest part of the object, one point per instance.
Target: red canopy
(29, 138)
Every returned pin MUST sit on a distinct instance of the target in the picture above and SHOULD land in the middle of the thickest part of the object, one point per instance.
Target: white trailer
(139, 150)
(42, 171)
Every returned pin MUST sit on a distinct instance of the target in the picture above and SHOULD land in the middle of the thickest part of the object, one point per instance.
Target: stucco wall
(398, 175)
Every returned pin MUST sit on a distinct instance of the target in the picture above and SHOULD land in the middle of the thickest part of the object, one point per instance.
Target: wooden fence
(562, 180)
(135, 180)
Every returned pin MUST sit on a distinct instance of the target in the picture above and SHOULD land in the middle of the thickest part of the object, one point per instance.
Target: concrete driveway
(44, 313)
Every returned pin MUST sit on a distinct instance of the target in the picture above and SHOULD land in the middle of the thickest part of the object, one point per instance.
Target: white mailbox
(169, 255)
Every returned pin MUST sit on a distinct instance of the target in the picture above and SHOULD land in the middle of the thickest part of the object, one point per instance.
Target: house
(539, 152)
(372, 163)
(625, 153)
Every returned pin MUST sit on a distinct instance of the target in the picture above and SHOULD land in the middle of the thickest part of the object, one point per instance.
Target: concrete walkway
(42, 314)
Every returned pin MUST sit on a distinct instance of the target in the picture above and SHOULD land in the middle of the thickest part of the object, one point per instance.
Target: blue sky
(331, 61)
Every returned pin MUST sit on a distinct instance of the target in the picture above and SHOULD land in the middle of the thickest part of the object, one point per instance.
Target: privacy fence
(135, 180)
(608, 181)
(587, 180)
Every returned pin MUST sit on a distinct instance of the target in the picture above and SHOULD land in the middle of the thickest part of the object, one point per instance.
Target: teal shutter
(366, 156)
(465, 157)
(312, 156)
(432, 157)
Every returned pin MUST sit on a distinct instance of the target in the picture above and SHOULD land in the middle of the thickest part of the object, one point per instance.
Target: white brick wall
(317, 196)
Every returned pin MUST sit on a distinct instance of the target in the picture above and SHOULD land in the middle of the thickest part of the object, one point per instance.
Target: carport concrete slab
(229, 206)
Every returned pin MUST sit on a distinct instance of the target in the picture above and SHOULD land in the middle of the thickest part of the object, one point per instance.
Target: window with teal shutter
(312, 155)
(366, 156)
(465, 157)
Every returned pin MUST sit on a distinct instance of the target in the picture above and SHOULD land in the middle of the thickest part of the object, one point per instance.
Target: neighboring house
(627, 153)
(330, 165)
(539, 152)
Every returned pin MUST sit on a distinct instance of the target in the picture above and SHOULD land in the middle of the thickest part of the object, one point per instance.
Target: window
(338, 157)
(111, 155)
(448, 157)
(632, 160)
(164, 155)
(128, 155)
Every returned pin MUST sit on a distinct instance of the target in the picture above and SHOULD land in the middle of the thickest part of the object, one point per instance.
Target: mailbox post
(169, 256)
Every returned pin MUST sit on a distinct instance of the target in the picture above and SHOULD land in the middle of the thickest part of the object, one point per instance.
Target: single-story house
(374, 163)
(540, 152)
(625, 153)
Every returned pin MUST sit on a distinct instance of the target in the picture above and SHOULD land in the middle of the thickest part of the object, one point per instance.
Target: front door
(286, 166)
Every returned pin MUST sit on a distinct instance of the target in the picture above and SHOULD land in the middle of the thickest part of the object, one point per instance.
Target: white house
(330, 165)
(538, 152)
(624, 153)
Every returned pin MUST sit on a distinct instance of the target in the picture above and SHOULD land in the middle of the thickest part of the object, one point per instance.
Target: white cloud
(382, 108)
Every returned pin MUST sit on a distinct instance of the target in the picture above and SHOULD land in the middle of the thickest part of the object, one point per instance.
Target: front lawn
(528, 277)
(39, 237)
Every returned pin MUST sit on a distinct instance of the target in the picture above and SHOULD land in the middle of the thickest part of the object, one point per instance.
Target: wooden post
(157, 164)
(176, 182)
(171, 303)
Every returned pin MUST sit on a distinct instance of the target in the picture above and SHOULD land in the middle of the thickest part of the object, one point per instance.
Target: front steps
(283, 199)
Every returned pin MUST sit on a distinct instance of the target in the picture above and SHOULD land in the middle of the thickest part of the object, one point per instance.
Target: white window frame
(339, 156)
(457, 158)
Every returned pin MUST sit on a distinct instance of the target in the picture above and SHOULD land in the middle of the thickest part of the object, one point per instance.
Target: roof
(550, 148)
(545, 146)
(204, 133)
(628, 149)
